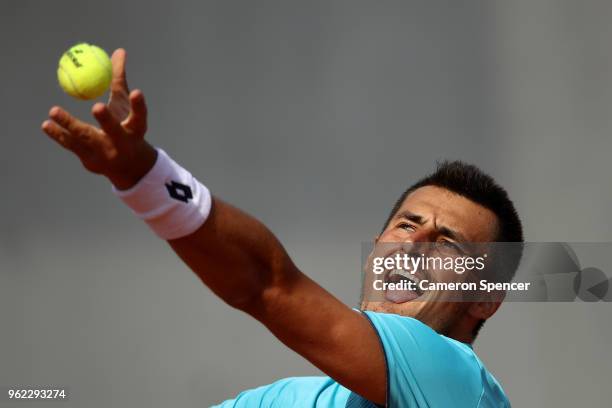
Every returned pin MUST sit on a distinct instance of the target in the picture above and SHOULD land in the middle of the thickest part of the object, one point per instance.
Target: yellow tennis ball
(84, 71)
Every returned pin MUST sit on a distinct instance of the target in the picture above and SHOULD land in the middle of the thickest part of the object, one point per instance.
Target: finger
(119, 81)
(56, 132)
(136, 122)
(69, 122)
(79, 145)
(109, 124)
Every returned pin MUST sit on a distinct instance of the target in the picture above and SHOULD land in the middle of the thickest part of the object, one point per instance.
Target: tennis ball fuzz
(84, 71)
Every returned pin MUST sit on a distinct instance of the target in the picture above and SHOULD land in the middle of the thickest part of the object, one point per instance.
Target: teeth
(405, 274)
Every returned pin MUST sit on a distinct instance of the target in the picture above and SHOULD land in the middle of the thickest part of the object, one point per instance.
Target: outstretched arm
(235, 255)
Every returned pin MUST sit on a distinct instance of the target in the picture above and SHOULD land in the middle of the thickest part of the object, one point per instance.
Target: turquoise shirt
(424, 369)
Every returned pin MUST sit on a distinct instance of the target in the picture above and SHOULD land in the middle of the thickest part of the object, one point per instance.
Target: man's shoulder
(395, 325)
(421, 363)
(408, 341)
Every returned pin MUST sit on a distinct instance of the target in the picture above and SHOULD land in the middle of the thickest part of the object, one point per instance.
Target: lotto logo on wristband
(179, 191)
(154, 199)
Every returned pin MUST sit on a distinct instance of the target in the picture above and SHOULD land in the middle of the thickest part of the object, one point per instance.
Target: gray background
(313, 116)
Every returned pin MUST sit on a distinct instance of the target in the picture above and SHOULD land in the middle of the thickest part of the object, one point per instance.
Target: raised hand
(117, 148)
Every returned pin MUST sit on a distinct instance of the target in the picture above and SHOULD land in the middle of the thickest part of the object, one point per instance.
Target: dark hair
(472, 183)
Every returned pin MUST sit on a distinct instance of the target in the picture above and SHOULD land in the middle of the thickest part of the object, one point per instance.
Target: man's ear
(483, 310)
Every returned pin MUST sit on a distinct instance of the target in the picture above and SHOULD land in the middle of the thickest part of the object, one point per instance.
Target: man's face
(433, 215)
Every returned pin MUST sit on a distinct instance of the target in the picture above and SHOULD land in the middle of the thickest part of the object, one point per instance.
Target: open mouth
(405, 286)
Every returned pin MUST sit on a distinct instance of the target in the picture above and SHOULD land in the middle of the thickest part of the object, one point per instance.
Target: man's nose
(422, 235)
(420, 241)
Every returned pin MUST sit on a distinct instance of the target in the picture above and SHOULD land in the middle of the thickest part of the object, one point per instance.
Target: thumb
(119, 79)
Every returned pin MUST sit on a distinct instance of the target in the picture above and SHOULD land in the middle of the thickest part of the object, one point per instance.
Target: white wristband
(169, 199)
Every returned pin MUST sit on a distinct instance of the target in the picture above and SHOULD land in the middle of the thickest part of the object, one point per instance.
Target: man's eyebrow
(407, 215)
(452, 234)
(419, 219)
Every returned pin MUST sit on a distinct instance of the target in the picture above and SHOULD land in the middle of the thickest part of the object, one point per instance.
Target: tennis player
(399, 352)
